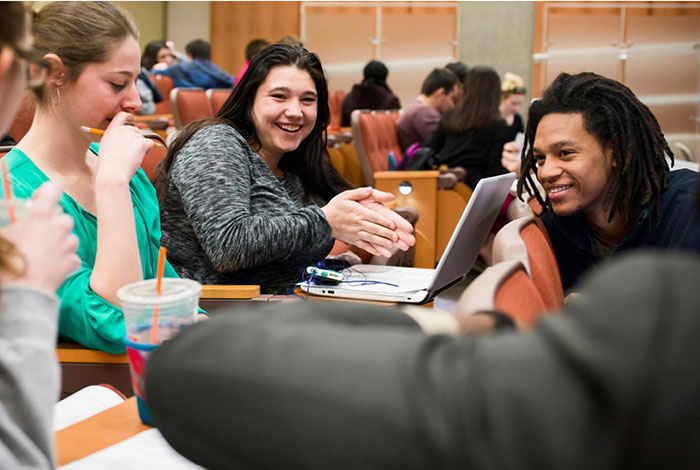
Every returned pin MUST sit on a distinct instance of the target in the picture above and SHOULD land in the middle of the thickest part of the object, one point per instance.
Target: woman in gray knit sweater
(250, 196)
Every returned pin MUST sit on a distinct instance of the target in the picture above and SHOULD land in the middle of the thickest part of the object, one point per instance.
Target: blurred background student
(420, 118)
(251, 49)
(372, 93)
(198, 71)
(37, 253)
(512, 95)
(156, 54)
(471, 135)
(460, 69)
(91, 82)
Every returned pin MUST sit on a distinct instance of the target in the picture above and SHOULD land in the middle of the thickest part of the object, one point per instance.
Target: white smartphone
(324, 273)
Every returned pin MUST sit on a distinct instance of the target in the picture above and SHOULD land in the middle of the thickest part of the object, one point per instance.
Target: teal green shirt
(85, 317)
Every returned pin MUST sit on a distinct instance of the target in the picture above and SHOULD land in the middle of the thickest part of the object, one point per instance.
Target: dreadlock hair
(616, 118)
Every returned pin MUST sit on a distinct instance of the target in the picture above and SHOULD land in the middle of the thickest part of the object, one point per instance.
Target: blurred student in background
(251, 49)
(512, 95)
(420, 119)
(156, 53)
(371, 93)
(471, 135)
(198, 71)
(251, 197)
(291, 40)
(37, 253)
(93, 56)
(460, 69)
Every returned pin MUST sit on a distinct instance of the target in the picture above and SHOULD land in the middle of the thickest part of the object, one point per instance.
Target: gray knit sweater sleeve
(226, 206)
(29, 377)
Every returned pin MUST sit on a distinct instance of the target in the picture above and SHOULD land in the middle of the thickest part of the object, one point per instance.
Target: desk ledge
(230, 292)
(78, 353)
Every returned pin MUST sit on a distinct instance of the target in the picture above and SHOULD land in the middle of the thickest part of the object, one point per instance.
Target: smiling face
(103, 89)
(284, 112)
(572, 166)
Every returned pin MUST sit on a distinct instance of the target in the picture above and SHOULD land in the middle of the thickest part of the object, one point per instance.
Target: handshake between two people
(360, 217)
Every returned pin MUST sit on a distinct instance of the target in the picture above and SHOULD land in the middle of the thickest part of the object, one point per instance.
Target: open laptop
(417, 285)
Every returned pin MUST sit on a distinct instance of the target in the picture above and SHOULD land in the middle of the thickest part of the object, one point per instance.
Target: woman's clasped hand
(360, 217)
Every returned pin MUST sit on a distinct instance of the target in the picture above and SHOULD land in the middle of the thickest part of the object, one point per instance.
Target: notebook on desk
(417, 285)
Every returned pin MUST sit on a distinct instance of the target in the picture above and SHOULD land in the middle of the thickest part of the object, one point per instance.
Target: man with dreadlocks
(600, 156)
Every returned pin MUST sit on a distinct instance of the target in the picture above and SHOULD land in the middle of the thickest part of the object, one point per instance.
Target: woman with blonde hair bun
(512, 95)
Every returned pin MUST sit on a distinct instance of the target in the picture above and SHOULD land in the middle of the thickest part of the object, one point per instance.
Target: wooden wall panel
(234, 24)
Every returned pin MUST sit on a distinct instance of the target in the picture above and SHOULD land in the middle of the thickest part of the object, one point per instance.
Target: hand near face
(46, 248)
(122, 149)
(510, 157)
(369, 225)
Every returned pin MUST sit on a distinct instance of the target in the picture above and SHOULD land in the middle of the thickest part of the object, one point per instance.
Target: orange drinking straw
(8, 193)
(159, 282)
(92, 130)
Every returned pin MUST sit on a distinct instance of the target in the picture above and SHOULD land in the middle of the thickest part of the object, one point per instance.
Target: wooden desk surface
(77, 353)
(98, 432)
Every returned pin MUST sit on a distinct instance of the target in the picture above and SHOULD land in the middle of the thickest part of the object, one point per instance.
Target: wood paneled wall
(611, 8)
(234, 24)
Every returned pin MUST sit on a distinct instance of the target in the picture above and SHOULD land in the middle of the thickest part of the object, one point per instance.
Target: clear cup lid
(172, 290)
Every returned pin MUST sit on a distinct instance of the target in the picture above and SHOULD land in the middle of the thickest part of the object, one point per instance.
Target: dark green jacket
(614, 382)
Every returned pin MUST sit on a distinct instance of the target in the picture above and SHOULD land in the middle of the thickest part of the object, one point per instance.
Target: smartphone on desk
(324, 275)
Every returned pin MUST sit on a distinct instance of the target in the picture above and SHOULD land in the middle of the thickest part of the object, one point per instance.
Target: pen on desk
(92, 130)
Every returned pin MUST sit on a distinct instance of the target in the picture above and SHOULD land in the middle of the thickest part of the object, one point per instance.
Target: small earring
(57, 97)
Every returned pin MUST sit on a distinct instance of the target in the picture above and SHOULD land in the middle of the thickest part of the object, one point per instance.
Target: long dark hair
(615, 117)
(150, 53)
(479, 107)
(310, 160)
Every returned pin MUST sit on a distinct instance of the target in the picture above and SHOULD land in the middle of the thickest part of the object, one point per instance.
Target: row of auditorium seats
(437, 195)
(191, 104)
(335, 105)
(524, 281)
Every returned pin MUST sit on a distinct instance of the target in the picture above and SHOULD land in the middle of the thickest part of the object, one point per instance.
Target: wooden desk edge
(230, 292)
(98, 432)
(76, 353)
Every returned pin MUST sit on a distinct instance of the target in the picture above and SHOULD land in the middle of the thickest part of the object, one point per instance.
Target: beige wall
(149, 17)
(499, 34)
(187, 21)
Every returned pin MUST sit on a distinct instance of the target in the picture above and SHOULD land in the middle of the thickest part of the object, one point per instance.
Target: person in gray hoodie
(36, 255)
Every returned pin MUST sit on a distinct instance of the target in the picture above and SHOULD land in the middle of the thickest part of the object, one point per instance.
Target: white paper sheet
(82, 404)
(146, 450)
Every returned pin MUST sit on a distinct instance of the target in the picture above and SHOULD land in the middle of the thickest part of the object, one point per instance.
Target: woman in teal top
(93, 56)
(85, 316)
